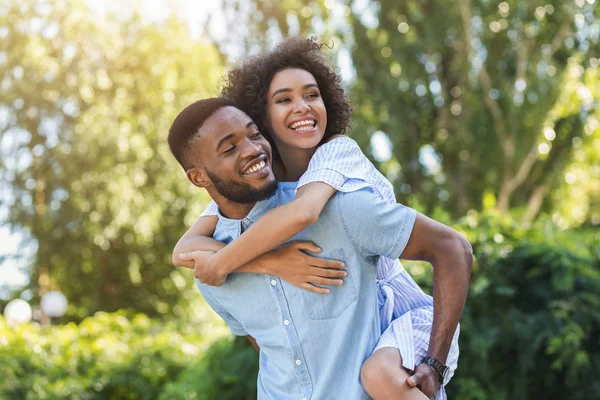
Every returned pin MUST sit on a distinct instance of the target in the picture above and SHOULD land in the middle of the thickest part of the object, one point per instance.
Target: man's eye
(256, 135)
(229, 150)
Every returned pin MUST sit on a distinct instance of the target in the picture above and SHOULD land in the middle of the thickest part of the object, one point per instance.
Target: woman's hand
(292, 264)
(204, 271)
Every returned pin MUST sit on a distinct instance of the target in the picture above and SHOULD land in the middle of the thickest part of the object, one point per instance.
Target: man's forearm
(451, 273)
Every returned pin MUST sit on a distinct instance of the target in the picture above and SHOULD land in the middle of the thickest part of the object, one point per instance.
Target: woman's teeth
(255, 168)
(303, 125)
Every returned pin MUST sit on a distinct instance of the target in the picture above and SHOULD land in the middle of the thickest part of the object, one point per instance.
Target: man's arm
(378, 228)
(253, 342)
(451, 256)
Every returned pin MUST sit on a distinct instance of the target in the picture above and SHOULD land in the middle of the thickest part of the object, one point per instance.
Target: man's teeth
(255, 168)
(305, 125)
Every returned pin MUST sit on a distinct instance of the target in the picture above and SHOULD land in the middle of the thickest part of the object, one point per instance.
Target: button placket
(292, 335)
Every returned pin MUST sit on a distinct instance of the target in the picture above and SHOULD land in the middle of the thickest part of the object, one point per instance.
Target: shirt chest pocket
(332, 305)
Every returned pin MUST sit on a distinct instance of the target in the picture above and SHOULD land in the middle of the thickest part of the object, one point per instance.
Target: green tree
(87, 102)
(483, 102)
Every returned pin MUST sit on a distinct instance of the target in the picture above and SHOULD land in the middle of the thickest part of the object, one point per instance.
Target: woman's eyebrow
(284, 90)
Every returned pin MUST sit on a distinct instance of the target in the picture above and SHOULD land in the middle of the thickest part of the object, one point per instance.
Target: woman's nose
(301, 107)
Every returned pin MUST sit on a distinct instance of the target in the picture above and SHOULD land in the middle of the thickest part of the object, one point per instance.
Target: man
(312, 345)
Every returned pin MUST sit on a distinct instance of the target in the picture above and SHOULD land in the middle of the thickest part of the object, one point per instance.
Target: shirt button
(246, 221)
(273, 282)
(286, 322)
(298, 362)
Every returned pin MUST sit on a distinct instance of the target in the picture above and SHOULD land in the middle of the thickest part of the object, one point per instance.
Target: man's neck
(230, 209)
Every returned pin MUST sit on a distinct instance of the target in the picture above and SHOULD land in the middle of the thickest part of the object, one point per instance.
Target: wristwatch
(438, 366)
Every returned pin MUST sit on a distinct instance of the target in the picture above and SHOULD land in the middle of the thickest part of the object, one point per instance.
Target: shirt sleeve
(375, 227)
(234, 325)
(211, 209)
(341, 164)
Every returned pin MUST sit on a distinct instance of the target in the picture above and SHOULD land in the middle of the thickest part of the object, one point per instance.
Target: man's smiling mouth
(255, 168)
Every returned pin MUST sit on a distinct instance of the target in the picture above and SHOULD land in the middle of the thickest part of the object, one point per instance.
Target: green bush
(532, 320)
(108, 356)
(228, 371)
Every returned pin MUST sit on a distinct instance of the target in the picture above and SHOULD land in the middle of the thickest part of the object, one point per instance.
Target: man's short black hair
(186, 125)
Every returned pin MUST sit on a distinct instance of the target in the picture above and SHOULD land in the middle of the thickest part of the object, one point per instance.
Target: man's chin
(267, 190)
(246, 194)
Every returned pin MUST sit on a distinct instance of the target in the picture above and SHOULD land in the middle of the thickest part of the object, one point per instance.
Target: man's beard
(242, 193)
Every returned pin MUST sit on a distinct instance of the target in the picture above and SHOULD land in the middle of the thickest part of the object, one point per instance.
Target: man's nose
(251, 148)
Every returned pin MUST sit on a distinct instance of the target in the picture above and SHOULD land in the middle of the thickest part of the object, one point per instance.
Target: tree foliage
(86, 106)
(481, 101)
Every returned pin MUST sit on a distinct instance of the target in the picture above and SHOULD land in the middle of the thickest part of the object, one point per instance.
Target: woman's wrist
(263, 264)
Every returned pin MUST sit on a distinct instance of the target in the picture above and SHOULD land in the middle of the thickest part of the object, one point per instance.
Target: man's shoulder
(351, 207)
(366, 197)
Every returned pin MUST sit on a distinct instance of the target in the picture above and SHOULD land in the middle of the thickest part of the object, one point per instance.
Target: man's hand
(203, 270)
(290, 263)
(426, 379)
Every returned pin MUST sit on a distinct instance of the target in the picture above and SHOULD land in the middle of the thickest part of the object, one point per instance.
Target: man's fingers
(414, 380)
(308, 246)
(314, 289)
(317, 280)
(328, 273)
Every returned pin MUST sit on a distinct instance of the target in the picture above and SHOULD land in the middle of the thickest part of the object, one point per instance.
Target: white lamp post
(54, 304)
(18, 311)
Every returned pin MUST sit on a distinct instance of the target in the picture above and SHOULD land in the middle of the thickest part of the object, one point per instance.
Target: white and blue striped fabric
(406, 312)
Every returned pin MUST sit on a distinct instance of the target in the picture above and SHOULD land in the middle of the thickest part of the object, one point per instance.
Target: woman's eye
(283, 100)
(313, 95)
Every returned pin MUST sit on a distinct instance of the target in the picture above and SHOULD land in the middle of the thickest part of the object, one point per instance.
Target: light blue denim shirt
(312, 346)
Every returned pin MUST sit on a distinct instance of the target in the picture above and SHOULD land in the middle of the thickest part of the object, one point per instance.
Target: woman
(296, 99)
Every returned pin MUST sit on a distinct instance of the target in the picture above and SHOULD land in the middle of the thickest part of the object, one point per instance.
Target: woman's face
(296, 114)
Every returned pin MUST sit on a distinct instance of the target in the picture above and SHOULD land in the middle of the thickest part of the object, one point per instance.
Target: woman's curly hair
(248, 83)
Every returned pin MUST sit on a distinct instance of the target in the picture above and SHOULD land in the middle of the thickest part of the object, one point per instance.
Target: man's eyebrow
(249, 124)
(289, 90)
(224, 139)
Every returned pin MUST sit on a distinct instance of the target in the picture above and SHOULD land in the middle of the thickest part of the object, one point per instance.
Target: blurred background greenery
(484, 115)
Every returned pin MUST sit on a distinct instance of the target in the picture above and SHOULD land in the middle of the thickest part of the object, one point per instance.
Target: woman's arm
(289, 262)
(198, 251)
(197, 237)
(273, 229)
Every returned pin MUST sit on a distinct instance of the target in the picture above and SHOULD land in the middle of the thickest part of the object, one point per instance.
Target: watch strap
(437, 365)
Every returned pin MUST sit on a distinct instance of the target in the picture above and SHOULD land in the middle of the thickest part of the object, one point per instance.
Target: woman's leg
(384, 377)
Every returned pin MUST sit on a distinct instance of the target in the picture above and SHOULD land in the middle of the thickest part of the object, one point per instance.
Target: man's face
(234, 157)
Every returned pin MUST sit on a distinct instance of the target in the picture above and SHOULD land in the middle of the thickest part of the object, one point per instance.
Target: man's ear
(198, 177)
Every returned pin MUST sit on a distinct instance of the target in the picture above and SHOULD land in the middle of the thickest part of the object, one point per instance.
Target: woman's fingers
(328, 273)
(308, 246)
(317, 280)
(314, 289)
(325, 263)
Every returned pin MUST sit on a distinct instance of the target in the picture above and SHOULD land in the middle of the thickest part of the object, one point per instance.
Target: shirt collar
(260, 208)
